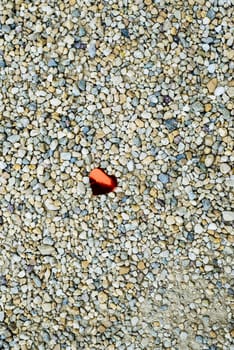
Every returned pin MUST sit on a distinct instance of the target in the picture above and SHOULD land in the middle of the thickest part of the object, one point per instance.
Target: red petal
(100, 182)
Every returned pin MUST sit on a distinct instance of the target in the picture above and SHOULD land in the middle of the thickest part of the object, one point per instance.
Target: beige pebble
(225, 168)
(124, 270)
(46, 307)
(170, 220)
(209, 160)
(212, 84)
(141, 265)
(102, 297)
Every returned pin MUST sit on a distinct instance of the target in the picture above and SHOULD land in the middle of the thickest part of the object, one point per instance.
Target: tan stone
(208, 107)
(124, 270)
(141, 265)
(212, 84)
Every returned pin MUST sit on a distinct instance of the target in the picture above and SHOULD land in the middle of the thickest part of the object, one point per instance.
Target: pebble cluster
(144, 90)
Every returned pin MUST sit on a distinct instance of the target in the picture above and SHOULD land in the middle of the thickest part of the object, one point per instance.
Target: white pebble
(225, 168)
(50, 205)
(219, 91)
(81, 188)
(228, 215)
(134, 321)
(55, 102)
(65, 155)
(211, 68)
(198, 228)
(1, 316)
(192, 256)
(130, 165)
(212, 227)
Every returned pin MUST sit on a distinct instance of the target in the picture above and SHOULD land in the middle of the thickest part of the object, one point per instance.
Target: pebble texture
(144, 90)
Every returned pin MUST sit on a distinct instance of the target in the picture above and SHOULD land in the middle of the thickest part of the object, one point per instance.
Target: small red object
(100, 182)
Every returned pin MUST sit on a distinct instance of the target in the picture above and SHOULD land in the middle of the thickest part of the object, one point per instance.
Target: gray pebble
(164, 178)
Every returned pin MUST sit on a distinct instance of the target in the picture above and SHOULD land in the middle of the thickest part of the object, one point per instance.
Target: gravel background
(144, 90)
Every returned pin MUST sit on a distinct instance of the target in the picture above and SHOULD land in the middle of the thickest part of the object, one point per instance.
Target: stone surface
(142, 89)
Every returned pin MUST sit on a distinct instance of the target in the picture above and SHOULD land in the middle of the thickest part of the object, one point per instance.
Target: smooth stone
(46, 307)
(219, 91)
(2, 316)
(49, 204)
(197, 107)
(92, 49)
(125, 33)
(81, 188)
(65, 155)
(82, 31)
(211, 68)
(82, 85)
(183, 335)
(134, 321)
(13, 138)
(102, 297)
(198, 228)
(2, 64)
(52, 63)
(53, 145)
(209, 160)
(55, 102)
(225, 168)
(230, 91)
(171, 124)
(228, 215)
(212, 227)
(47, 250)
(212, 84)
(208, 268)
(192, 256)
(164, 178)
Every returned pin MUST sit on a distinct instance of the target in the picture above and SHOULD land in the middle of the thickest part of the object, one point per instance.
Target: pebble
(209, 160)
(212, 84)
(164, 178)
(1, 316)
(46, 250)
(55, 102)
(228, 215)
(92, 49)
(225, 168)
(50, 205)
(219, 91)
(130, 165)
(192, 256)
(65, 155)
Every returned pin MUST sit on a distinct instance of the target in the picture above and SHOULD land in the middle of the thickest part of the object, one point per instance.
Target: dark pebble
(190, 236)
(80, 45)
(230, 291)
(125, 33)
(180, 156)
(171, 124)
(176, 39)
(3, 281)
(166, 99)
(210, 14)
(1, 220)
(10, 208)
